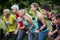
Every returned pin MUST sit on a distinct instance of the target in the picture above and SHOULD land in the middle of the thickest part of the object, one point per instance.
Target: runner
(42, 26)
(10, 23)
(31, 26)
(53, 30)
(57, 21)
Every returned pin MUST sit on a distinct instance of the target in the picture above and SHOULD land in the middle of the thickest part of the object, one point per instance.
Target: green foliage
(25, 3)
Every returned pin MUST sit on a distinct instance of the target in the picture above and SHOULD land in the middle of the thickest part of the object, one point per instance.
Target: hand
(15, 31)
(50, 34)
(7, 33)
(37, 31)
(57, 38)
(27, 32)
(22, 27)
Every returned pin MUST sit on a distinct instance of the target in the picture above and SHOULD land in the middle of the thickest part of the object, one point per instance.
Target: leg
(15, 36)
(43, 35)
(2, 33)
(21, 35)
(36, 36)
(30, 36)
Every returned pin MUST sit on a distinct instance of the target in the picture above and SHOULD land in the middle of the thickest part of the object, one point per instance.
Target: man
(46, 10)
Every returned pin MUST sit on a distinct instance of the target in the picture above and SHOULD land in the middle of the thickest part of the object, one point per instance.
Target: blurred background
(55, 5)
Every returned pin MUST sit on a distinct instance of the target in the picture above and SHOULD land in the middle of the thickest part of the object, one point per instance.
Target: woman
(28, 22)
(15, 9)
(10, 23)
(42, 26)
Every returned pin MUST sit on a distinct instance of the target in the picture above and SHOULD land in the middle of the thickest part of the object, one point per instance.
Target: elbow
(45, 25)
(32, 25)
(56, 30)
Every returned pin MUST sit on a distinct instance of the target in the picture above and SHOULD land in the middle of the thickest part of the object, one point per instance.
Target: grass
(25, 38)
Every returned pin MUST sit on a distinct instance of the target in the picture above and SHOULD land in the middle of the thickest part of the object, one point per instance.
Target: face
(33, 8)
(4, 13)
(54, 20)
(21, 13)
(44, 11)
(57, 21)
(14, 10)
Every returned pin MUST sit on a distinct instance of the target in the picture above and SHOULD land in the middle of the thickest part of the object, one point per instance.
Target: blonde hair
(6, 10)
(24, 11)
(35, 5)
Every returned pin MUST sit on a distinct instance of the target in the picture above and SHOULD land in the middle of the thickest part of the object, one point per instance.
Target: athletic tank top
(28, 25)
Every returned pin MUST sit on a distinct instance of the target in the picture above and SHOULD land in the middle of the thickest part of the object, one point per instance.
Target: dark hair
(58, 16)
(35, 5)
(7, 16)
(46, 7)
(53, 14)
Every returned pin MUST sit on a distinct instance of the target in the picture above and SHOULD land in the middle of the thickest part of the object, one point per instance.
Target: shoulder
(28, 17)
(3, 18)
(40, 15)
(12, 16)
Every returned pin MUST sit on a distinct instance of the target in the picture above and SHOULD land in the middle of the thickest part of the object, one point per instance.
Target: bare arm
(58, 30)
(16, 25)
(54, 31)
(30, 21)
(50, 28)
(7, 27)
(43, 21)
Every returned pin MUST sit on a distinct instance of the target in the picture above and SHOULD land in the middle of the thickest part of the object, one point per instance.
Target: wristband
(29, 30)
(40, 30)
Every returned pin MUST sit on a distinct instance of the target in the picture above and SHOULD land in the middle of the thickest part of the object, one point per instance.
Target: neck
(59, 23)
(35, 12)
(49, 13)
(16, 11)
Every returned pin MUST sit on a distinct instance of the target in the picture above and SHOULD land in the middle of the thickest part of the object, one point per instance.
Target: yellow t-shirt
(11, 23)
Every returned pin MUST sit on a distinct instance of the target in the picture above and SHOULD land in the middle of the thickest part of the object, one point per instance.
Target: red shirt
(20, 23)
(17, 15)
